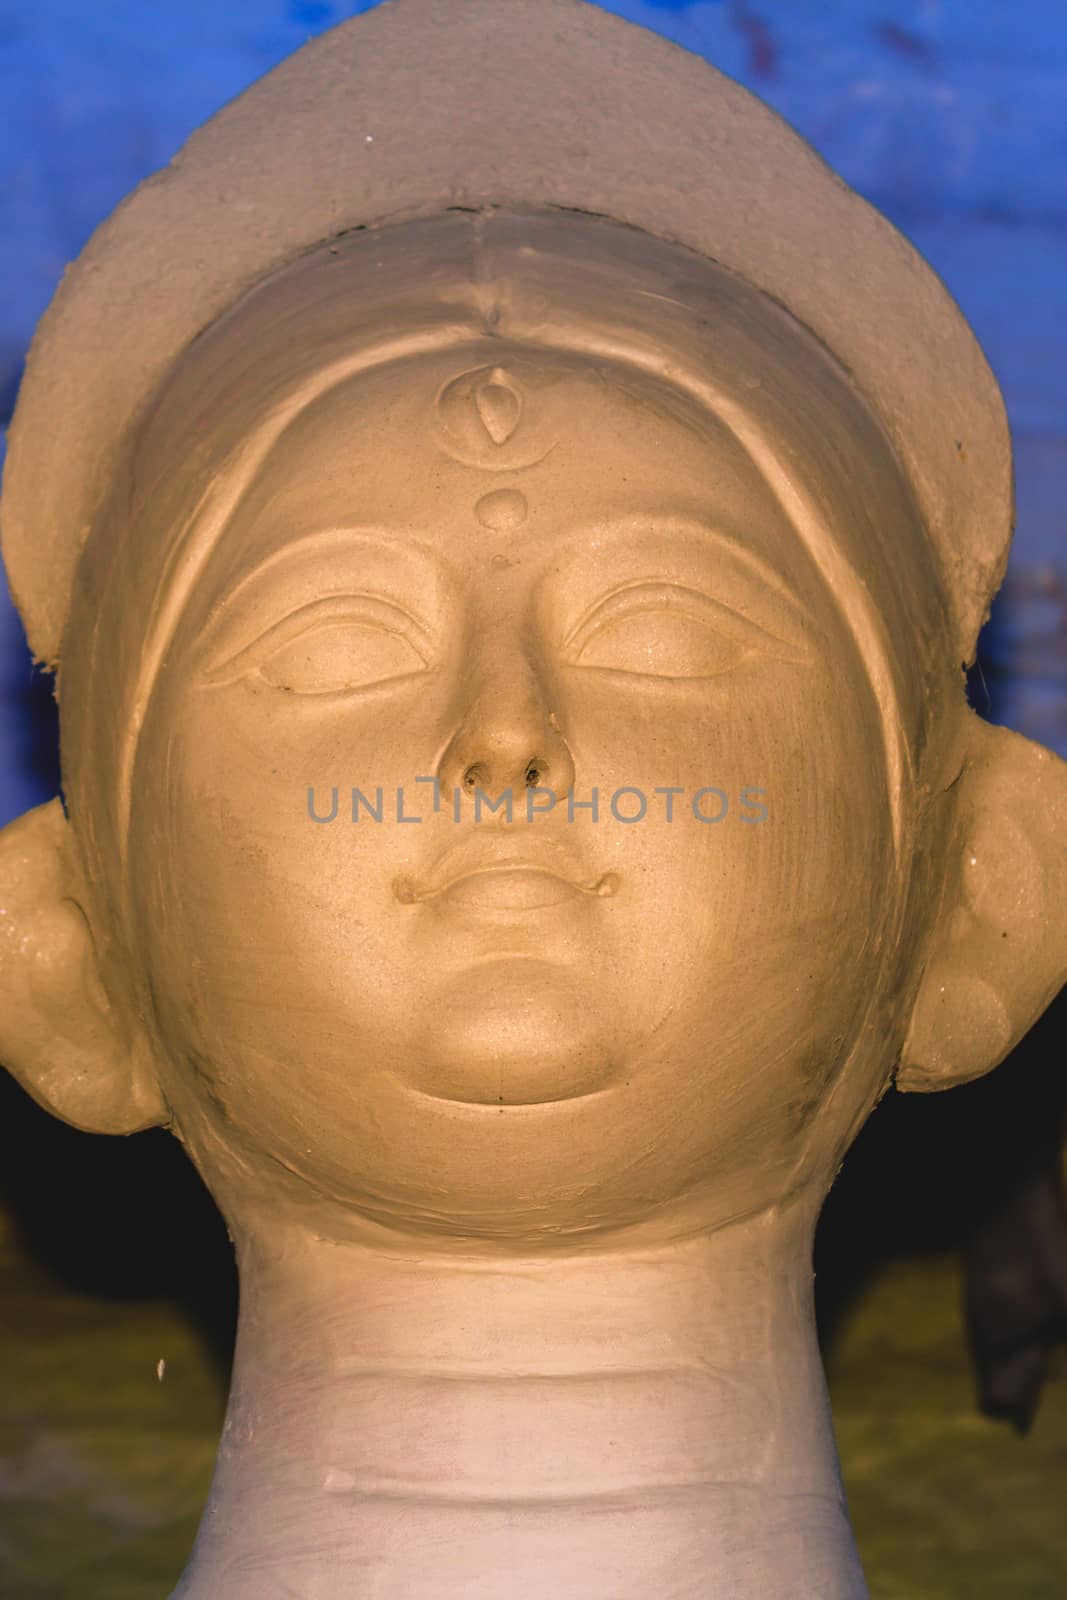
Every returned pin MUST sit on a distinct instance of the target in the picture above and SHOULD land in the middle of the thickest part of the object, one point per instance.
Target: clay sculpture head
(522, 806)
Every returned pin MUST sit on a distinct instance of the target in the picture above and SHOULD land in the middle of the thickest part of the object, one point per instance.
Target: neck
(604, 1426)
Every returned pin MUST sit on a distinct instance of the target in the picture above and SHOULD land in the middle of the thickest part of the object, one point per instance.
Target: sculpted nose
(508, 738)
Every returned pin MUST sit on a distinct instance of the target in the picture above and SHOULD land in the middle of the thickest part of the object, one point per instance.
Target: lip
(512, 888)
(508, 881)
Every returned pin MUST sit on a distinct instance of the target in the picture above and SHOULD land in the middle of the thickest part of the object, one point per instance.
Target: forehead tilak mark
(498, 403)
(480, 415)
(483, 418)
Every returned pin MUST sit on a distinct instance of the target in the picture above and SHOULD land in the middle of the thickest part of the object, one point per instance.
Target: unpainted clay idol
(510, 524)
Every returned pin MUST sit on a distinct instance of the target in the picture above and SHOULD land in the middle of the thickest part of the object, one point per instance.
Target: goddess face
(585, 947)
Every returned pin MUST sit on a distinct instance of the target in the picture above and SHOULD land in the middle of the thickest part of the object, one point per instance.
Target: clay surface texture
(510, 601)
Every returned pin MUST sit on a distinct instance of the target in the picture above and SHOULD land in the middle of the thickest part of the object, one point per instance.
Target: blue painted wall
(951, 115)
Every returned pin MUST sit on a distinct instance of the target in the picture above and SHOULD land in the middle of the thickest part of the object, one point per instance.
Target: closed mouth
(513, 885)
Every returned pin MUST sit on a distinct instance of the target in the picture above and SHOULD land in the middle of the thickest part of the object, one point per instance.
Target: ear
(998, 954)
(59, 1033)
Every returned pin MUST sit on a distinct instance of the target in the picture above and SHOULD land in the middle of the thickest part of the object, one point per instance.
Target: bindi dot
(502, 510)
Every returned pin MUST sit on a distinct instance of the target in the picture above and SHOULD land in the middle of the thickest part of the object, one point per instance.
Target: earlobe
(998, 955)
(59, 1035)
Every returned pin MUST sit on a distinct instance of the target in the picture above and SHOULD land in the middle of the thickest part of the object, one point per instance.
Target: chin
(490, 1066)
(504, 1036)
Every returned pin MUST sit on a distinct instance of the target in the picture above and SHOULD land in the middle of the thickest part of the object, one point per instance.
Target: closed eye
(667, 630)
(336, 645)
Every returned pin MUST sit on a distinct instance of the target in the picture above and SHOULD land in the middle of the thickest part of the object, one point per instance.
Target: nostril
(476, 776)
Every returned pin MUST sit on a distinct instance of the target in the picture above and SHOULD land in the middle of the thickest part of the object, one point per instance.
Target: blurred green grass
(104, 1466)
(946, 1504)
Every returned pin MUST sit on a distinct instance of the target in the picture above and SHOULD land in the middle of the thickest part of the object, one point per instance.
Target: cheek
(259, 915)
(792, 834)
(763, 940)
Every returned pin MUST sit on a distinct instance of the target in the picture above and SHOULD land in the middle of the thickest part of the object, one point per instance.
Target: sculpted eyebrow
(340, 551)
(681, 549)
